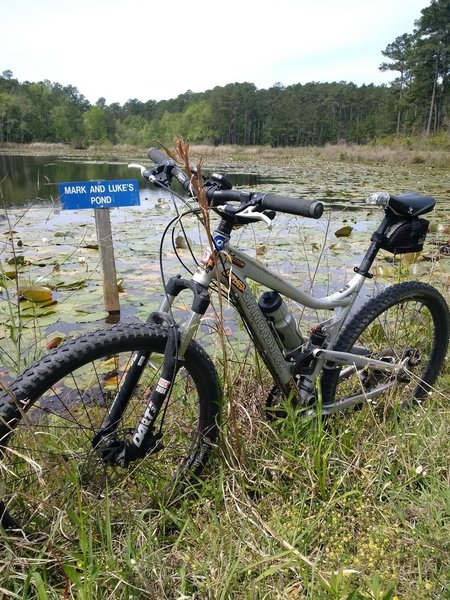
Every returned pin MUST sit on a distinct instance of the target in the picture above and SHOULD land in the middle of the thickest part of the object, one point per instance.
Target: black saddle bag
(405, 236)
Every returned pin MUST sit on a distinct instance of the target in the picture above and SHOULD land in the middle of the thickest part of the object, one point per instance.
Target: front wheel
(408, 323)
(50, 416)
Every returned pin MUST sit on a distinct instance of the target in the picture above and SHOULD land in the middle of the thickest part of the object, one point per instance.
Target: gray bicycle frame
(235, 268)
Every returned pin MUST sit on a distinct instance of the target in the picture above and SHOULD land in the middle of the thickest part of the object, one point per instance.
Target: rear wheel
(49, 418)
(407, 323)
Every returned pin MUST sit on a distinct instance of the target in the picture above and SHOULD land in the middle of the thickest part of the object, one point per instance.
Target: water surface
(57, 248)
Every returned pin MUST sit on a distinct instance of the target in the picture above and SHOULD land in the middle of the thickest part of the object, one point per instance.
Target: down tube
(248, 308)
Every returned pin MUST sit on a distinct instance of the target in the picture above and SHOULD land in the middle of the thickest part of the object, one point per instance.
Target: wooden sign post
(101, 196)
(106, 249)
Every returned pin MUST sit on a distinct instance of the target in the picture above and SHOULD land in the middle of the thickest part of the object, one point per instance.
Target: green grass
(351, 508)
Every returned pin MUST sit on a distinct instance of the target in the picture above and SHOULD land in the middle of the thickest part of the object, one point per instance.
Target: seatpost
(372, 251)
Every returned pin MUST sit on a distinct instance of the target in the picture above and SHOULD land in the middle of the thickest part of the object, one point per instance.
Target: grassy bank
(431, 151)
(357, 509)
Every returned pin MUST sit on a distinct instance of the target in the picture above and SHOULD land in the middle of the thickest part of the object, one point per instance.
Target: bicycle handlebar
(268, 201)
(287, 204)
(293, 206)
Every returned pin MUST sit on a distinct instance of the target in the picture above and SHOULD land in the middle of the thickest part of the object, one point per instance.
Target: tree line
(416, 102)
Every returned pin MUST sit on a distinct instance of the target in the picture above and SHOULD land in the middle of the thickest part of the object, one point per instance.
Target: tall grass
(19, 334)
(431, 150)
(351, 508)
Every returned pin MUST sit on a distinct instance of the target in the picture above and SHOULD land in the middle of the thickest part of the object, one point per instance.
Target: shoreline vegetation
(432, 150)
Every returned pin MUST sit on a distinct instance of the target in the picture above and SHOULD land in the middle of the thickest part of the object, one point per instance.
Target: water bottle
(276, 311)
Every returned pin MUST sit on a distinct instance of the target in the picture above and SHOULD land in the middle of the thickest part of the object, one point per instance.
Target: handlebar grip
(157, 156)
(293, 206)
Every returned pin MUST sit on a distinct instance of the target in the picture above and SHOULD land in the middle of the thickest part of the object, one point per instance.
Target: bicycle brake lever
(249, 212)
(136, 166)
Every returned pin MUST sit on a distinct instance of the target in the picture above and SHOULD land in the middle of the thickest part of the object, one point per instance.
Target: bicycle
(142, 401)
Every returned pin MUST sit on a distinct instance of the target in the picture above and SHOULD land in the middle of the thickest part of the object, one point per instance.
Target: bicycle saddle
(410, 204)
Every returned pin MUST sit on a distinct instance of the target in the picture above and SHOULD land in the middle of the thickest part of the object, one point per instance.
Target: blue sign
(99, 194)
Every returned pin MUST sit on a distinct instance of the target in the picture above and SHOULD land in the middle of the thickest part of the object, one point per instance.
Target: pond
(57, 249)
(26, 179)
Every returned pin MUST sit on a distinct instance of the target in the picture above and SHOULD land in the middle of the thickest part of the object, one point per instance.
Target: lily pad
(18, 261)
(411, 258)
(54, 343)
(37, 293)
(383, 271)
(63, 234)
(344, 231)
(10, 274)
(73, 285)
(86, 309)
(182, 242)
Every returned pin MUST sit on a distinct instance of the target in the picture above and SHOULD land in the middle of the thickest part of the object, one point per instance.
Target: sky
(158, 49)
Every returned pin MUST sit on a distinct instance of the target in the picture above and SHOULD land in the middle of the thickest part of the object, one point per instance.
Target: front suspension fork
(143, 439)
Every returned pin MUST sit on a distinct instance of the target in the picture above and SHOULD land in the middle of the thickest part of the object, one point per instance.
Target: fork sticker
(163, 386)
